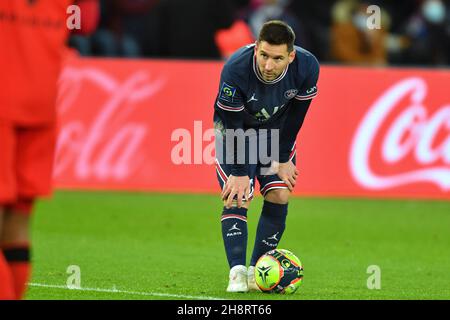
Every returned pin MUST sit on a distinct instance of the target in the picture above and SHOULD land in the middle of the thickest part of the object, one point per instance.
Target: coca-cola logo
(415, 132)
(105, 140)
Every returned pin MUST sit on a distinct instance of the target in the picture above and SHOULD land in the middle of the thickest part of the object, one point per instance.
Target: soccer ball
(279, 271)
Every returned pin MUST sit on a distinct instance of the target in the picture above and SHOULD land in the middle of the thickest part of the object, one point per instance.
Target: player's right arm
(229, 105)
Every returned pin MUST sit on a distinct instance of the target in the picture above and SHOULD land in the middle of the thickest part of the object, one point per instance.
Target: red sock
(18, 258)
(6, 284)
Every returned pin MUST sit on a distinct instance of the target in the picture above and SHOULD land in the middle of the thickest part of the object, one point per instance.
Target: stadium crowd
(413, 32)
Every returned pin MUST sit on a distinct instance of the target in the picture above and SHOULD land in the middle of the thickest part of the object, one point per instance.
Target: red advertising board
(147, 125)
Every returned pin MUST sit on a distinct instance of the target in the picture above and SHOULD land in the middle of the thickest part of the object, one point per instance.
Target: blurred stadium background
(136, 206)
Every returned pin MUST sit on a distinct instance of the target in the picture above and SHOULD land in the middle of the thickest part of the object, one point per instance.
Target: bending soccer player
(265, 91)
(34, 33)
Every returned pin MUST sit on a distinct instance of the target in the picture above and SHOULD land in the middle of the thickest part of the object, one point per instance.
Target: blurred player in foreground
(267, 85)
(33, 35)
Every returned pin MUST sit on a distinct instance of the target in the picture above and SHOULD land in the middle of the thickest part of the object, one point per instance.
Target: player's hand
(288, 173)
(239, 186)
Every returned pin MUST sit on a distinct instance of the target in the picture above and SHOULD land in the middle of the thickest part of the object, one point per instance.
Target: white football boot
(238, 279)
(252, 286)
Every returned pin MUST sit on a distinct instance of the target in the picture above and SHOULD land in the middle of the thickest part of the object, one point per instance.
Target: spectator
(429, 33)
(351, 40)
(316, 21)
(265, 10)
(124, 29)
(136, 21)
(187, 28)
(418, 32)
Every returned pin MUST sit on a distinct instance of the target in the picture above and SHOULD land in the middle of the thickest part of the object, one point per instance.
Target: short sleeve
(308, 89)
(229, 97)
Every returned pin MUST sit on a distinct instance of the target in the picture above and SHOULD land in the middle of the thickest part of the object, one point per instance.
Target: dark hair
(277, 32)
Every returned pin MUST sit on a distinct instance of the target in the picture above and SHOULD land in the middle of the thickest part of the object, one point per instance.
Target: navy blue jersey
(262, 103)
(247, 101)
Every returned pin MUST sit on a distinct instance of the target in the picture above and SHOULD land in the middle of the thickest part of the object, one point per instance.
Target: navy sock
(271, 225)
(234, 234)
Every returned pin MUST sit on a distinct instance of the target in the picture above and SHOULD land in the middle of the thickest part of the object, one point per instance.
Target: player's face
(272, 59)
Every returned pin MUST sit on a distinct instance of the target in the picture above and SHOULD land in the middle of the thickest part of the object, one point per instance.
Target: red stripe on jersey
(292, 154)
(272, 185)
(229, 108)
(307, 97)
(221, 172)
(234, 216)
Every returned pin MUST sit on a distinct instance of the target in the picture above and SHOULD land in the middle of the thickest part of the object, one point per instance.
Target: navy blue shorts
(266, 182)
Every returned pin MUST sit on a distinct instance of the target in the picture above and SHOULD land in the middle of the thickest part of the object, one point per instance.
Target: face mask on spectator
(433, 11)
(360, 21)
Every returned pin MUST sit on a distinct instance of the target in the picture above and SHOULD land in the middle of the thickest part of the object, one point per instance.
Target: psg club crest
(290, 93)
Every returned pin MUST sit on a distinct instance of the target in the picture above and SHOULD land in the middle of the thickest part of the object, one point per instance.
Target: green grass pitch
(169, 246)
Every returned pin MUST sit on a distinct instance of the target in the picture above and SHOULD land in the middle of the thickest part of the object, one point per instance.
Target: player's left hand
(288, 173)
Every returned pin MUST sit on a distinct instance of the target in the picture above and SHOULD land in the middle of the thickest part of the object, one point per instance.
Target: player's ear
(291, 56)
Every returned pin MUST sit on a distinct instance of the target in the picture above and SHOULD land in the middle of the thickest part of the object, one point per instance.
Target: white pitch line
(154, 294)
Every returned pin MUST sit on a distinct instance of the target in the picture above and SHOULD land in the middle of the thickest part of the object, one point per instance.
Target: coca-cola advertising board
(147, 125)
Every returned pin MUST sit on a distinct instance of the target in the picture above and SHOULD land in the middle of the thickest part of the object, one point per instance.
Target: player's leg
(272, 220)
(15, 243)
(235, 238)
(235, 234)
(6, 285)
(7, 194)
(35, 151)
(271, 226)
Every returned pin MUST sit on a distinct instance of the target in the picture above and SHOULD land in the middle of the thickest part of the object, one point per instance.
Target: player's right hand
(239, 186)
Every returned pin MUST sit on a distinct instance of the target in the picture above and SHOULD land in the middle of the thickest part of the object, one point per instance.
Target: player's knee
(280, 196)
(16, 222)
(15, 228)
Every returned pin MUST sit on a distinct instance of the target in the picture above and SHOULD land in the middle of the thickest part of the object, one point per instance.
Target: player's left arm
(294, 121)
(298, 109)
(286, 169)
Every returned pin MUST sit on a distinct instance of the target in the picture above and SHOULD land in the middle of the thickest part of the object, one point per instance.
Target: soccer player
(33, 34)
(267, 85)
